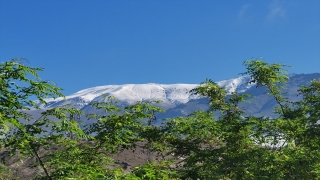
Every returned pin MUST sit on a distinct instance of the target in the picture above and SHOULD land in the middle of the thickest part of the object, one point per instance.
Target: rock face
(176, 99)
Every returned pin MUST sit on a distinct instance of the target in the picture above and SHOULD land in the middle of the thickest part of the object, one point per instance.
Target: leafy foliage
(221, 143)
(16, 90)
(238, 146)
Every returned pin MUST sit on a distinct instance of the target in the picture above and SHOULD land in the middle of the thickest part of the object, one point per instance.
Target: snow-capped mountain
(176, 99)
(170, 94)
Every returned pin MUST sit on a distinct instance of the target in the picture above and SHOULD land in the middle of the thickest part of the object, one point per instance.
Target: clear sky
(83, 44)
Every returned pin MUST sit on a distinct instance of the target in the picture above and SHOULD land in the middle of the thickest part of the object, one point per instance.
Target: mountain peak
(131, 93)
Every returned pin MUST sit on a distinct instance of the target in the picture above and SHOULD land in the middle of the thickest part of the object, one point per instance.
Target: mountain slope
(169, 94)
(177, 100)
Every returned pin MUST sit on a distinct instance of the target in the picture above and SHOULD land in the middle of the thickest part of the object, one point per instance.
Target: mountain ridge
(178, 102)
(132, 93)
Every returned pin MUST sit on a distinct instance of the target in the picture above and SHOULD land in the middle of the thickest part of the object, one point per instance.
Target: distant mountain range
(176, 99)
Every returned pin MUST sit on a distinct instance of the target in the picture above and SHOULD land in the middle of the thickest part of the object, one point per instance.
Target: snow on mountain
(177, 101)
(239, 84)
(173, 94)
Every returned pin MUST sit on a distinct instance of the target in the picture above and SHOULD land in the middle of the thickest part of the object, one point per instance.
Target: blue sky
(83, 44)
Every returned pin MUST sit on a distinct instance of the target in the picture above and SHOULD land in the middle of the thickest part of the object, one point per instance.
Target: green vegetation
(199, 146)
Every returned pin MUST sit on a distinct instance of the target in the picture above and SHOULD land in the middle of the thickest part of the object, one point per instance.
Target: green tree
(239, 146)
(21, 134)
(221, 143)
(86, 154)
(113, 130)
(17, 92)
